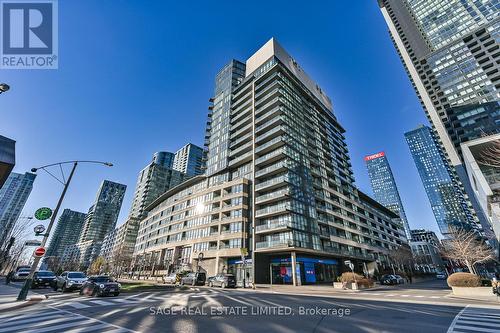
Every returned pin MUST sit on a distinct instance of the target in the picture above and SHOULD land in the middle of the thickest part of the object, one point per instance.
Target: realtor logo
(28, 34)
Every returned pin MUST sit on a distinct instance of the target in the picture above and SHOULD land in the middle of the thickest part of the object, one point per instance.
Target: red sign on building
(374, 156)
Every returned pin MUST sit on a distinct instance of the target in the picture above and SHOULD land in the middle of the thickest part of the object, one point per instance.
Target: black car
(194, 279)
(223, 281)
(389, 279)
(100, 286)
(43, 279)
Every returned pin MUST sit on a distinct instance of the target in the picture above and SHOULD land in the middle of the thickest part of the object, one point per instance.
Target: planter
(472, 291)
(337, 285)
(353, 286)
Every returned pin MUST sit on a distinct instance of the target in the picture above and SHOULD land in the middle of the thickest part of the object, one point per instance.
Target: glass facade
(384, 187)
(448, 204)
(103, 214)
(13, 195)
(67, 232)
(189, 160)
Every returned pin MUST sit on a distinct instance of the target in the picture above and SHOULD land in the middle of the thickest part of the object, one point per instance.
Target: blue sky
(135, 77)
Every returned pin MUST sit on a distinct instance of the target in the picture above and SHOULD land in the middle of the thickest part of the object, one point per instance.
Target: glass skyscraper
(450, 49)
(448, 203)
(68, 229)
(384, 187)
(13, 196)
(189, 160)
(278, 184)
(7, 158)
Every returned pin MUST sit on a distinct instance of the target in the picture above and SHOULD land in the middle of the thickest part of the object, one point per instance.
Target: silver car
(69, 281)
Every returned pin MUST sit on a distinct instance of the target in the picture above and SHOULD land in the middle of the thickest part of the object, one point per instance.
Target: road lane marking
(61, 326)
(99, 302)
(87, 328)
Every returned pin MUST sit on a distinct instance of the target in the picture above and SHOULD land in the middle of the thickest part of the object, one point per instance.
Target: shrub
(464, 280)
(349, 277)
(485, 283)
(364, 282)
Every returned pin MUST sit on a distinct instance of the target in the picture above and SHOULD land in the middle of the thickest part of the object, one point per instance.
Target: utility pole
(27, 284)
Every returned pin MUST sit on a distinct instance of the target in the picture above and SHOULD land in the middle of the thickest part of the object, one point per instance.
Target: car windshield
(23, 270)
(45, 274)
(76, 275)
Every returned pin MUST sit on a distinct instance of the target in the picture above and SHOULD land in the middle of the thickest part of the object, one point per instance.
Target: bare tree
(491, 155)
(465, 248)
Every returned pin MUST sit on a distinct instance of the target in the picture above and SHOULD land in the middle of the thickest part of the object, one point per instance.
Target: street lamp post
(27, 284)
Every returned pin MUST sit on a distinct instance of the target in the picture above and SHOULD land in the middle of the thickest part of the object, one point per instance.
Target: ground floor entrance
(309, 270)
(242, 270)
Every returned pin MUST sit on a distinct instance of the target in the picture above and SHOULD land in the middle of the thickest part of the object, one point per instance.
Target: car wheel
(210, 284)
(116, 294)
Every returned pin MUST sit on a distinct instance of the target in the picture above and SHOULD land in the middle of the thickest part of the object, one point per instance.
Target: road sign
(39, 252)
(244, 251)
(33, 242)
(39, 229)
(43, 213)
(347, 262)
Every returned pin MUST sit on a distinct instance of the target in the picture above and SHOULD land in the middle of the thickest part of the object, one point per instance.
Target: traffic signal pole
(27, 284)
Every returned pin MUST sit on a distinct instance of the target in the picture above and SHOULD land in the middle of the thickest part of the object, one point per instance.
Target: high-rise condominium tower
(448, 203)
(278, 185)
(157, 177)
(450, 51)
(68, 229)
(103, 214)
(13, 196)
(384, 187)
(189, 160)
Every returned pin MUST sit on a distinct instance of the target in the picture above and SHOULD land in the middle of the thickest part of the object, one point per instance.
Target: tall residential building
(189, 160)
(384, 187)
(156, 178)
(103, 214)
(7, 158)
(449, 205)
(118, 246)
(422, 235)
(482, 163)
(67, 232)
(99, 222)
(278, 185)
(13, 196)
(450, 51)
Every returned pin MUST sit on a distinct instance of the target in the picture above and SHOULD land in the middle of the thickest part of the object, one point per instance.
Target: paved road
(214, 310)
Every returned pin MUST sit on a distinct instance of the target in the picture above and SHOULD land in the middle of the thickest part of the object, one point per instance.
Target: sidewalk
(8, 298)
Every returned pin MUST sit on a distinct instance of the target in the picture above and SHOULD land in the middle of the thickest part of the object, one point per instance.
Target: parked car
(21, 273)
(399, 279)
(43, 279)
(172, 278)
(441, 276)
(69, 281)
(223, 281)
(100, 286)
(194, 279)
(390, 279)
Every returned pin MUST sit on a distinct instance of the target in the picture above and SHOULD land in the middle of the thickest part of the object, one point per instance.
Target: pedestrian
(410, 278)
(495, 284)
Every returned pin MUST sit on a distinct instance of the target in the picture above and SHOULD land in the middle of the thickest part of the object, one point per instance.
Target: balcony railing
(274, 243)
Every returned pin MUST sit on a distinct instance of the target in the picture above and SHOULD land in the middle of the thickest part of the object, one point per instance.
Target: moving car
(69, 281)
(194, 279)
(441, 276)
(43, 279)
(21, 273)
(223, 281)
(390, 279)
(100, 286)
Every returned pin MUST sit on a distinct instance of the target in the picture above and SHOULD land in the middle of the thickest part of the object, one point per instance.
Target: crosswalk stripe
(482, 314)
(99, 302)
(238, 300)
(126, 300)
(478, 329)
(88, 328)
(62, 326)
(475, 322)
(481, 319)
(78, 305)
(16, 316)
(19, 327)
(29, 320)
